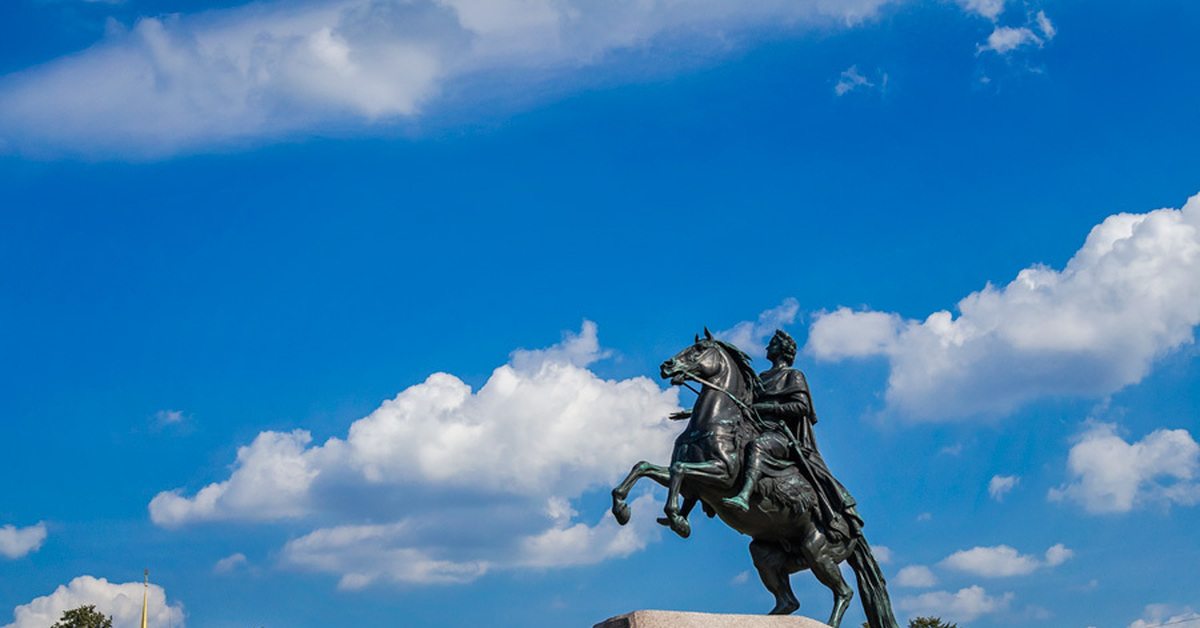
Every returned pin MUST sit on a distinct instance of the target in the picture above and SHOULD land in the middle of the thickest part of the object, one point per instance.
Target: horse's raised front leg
(676, 519)
(643, 469)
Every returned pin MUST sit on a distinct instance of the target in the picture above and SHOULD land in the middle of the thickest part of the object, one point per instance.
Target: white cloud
(751, 336)
(579, 544)
(169, 417)
(918, 576)
(967, 605)
(438, 457)
(1044, 25)
(850, 80)
(1129, 295)
(230, 563)
(1006, 39)
(1109, 474)
(273, 69)
(1003, 561)
(1000, 485)
(362, 554)
(271, 480)
(845, 333)
(407, 552)
(991, 9)
(17, 542)
(882, 553)
(121, 601)
(1164, 614)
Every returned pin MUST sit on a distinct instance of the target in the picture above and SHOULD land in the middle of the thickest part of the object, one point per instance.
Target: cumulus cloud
(439, 458)
(1110, 475)
(123, 602)
(1003, 561)
(17, 542)
(1128, 296)
(966, 605)
(1000, 485)
(271, 480)
(917, 576)
(272, 69)
(751, 336)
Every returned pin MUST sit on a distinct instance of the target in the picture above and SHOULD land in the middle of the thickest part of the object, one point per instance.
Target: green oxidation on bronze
(748, 454)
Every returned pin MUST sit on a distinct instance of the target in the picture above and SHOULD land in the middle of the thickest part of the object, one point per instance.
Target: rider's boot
(741, 501)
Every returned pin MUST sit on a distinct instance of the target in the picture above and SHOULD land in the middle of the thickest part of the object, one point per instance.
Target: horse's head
(702, 360)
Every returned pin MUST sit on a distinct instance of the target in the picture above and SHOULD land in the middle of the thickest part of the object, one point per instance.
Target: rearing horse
(706, 467)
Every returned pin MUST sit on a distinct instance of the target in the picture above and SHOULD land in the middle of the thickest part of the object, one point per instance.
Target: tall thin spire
(145, 589)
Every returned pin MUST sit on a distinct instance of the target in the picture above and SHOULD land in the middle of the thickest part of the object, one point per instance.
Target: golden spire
(145, 588)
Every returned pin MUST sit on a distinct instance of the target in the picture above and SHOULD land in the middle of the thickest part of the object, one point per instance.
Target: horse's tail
(871, 586)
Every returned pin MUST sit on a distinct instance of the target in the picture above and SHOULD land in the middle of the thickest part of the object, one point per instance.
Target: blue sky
(350, 312)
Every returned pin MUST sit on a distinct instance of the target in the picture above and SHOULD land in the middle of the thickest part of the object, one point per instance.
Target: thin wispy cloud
(272, 70)
(852, 80)
(751, 336)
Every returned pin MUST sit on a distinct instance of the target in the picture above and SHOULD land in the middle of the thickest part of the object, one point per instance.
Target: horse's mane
(742, 362)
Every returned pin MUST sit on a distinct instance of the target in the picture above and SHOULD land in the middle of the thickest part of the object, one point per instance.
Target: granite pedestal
(675, 619)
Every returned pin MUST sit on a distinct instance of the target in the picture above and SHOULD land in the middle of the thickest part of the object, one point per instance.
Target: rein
(751, 412)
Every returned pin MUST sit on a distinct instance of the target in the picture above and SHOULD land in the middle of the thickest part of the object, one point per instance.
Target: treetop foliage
(83, 617)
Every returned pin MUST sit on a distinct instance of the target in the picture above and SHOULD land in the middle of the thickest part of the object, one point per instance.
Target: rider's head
(782, 345)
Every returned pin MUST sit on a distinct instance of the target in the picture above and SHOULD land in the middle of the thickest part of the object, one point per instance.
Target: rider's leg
(753, 471)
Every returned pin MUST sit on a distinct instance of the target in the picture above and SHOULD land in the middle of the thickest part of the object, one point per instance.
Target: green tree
(924, 622)
(83, 617)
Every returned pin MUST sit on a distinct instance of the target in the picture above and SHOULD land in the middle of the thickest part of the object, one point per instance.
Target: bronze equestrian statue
(748, 456)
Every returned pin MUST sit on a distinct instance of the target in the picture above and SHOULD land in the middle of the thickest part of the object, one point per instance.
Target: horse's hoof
(682, 527)
(785, 608)
(736, 503)
(620, 511)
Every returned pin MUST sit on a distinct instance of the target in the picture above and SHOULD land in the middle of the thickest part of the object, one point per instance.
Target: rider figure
(785, 406)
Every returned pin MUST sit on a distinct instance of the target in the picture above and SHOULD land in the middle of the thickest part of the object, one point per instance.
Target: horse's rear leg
(643, 469)
(820, 556)
(774, 567)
